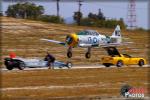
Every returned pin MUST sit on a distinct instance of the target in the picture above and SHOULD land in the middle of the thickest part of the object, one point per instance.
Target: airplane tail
(116, 35)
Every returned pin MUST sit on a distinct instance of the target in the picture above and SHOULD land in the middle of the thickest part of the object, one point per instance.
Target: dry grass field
(73, 83)
(23, 38)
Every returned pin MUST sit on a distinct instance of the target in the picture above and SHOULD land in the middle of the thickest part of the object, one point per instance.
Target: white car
(22, 63)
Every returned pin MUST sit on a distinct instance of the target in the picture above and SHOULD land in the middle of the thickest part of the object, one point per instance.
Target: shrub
(51, 18)
(102, 23)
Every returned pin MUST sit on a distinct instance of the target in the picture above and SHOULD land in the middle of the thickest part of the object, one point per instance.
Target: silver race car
(22, 63)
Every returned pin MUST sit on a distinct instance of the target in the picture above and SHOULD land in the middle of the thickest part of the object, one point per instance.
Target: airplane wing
(57, 42)
(88, 45)
(110, 45)
(85, 45)
(127, 43)
(115, 44)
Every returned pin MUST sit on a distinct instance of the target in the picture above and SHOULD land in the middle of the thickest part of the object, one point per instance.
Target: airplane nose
(69, 39)
(72, 40)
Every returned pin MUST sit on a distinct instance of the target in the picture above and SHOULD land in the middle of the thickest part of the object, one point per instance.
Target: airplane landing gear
(88, 53)
(69, 52)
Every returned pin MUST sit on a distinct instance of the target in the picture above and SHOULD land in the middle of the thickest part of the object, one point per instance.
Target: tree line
(97, 20)
(29, 10)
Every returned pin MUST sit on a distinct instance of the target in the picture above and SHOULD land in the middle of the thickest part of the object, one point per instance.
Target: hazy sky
(111, 9)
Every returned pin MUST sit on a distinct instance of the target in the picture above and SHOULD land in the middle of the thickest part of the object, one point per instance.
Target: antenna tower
(131, 15)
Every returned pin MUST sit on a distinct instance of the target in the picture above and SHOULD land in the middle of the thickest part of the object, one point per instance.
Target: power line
(116, 7)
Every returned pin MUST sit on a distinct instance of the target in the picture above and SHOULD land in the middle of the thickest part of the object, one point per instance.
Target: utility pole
(80, 5)
(57, 7)
(131, 15)
(79, 11)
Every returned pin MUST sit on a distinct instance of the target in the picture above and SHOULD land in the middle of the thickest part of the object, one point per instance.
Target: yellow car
(122, 59)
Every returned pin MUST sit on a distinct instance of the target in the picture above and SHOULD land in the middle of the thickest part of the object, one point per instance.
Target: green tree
(99, 16)
(121, 23)
(24, 10)
(92, 16)
(77, 17)
(87, 22)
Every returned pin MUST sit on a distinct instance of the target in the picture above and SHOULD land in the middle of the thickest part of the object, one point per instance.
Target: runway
(74, 67)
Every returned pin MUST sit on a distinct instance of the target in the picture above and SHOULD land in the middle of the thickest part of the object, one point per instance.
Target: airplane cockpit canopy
(88, 32)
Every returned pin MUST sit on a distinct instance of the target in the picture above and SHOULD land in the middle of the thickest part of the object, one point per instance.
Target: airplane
(90, 39)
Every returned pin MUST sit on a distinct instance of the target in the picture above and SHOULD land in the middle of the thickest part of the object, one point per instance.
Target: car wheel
(21, 65)
(119, 64)
(69, 64)
(106, 65)
(8, 65)
(141, 63)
